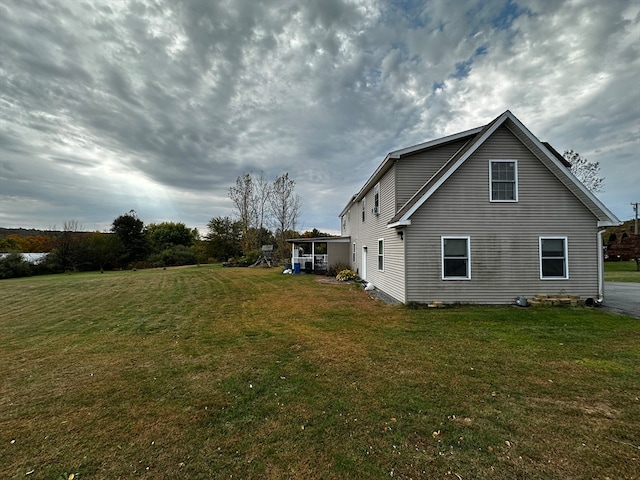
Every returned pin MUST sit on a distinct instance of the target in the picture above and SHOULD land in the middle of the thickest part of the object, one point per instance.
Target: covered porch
(317, 255)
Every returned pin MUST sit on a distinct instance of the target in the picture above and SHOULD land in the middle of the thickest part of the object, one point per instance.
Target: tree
(223, 238)
(165, 235)
(70, 247)
(242, 195)
(130, 230)
(261, 196)
(587, 172)
(284, 206)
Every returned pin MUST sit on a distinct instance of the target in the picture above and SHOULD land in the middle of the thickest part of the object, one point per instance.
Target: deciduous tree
(284, 206)
(587, 172)
(130, 230)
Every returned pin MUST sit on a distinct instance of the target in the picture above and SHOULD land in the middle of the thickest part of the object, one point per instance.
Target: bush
(14, 265)
(346, 275)
(337, 268)
(174, 256)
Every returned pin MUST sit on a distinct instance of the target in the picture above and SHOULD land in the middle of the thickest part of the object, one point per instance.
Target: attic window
(503, 180)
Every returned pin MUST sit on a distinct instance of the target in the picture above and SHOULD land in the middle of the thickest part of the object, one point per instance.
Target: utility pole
(635, 209)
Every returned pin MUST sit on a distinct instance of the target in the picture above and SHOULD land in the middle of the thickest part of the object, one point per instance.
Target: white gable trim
(434, 143)
(611, 221)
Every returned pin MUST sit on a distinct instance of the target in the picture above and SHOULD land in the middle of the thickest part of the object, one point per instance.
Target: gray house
(481, 216)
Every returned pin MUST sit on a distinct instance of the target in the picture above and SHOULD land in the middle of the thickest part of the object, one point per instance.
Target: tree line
(265, 213)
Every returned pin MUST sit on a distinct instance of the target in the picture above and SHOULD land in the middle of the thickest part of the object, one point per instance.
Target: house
(482, 216)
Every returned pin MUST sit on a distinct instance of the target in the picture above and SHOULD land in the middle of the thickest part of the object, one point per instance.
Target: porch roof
(320, 240)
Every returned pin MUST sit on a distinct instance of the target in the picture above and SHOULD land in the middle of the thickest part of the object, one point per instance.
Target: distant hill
(26, 232)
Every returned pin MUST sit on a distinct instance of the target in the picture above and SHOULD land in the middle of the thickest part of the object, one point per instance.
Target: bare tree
(243, 197)
(284, 206)
(587, 172)
(262, 192)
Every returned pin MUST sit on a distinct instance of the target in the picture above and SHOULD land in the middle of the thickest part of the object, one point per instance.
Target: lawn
(205, 372)
(621, 271)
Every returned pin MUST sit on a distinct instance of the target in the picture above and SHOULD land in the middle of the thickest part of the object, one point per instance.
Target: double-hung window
(503, 180)
(554, 263)
(353, 253)
(364, 207)
(381, 254)
(456, 258)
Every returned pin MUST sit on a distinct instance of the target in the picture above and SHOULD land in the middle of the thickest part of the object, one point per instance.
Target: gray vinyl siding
(339, 253)
(415, 170)
(503, 236)
(392, 279)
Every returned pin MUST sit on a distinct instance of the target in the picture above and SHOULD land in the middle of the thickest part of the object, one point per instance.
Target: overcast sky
(159, 105)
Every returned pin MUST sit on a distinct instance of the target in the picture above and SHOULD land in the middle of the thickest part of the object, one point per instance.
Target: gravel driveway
(622, 297)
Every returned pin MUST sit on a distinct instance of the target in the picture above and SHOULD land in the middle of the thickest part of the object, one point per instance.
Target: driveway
(622, 297)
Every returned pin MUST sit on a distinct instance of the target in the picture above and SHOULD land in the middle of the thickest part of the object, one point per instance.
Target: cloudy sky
(159, 105)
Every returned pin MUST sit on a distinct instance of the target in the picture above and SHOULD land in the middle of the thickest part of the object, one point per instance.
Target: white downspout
(600, 267)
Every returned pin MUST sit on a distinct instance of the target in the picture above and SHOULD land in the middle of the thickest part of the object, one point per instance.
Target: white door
(363, 275)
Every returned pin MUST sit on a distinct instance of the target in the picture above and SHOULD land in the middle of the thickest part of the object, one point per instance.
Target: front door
(364, 263)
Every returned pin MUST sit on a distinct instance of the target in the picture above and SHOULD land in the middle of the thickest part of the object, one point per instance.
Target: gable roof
(548, 156)
(391, 157)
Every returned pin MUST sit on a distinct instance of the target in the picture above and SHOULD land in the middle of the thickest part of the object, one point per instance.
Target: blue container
(296, 268)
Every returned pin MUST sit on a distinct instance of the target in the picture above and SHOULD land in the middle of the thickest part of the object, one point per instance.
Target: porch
(317, 255)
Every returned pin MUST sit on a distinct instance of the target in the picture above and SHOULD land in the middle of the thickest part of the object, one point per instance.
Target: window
(456, 264)
(503, 180)
(353, 253)
(376, 199)
(381, 254)
(553, 258)
(364, 207)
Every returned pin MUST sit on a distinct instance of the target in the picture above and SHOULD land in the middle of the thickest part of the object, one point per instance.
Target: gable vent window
(503, 180)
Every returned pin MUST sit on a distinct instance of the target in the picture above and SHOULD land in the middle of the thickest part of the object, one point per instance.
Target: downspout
(600, 267)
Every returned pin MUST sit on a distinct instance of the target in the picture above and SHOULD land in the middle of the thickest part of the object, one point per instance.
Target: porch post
(313, 256)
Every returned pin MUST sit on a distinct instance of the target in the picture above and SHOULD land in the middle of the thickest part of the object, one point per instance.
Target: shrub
(174, 256)
(337, 268)
(346, 275)
(14, 265)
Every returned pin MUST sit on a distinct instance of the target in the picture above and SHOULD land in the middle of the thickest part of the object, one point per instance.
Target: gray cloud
(160, 105)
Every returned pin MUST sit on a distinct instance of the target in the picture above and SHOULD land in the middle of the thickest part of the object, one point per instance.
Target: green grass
(621, 272)
(247, 373)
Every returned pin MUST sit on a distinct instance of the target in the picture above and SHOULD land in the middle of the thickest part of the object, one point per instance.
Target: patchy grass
(621, 272)
(246, 373)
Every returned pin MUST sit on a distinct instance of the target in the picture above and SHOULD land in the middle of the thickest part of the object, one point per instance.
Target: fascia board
(434, 143)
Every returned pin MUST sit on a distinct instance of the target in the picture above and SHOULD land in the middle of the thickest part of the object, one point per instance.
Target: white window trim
(353, 253)
(454, 237)
(566, 257)
(379, 255)
(376, 196)
(515, 173)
